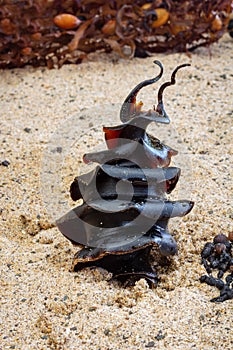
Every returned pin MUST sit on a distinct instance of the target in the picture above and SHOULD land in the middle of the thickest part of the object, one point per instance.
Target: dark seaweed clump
(217, 256)
(31, 33)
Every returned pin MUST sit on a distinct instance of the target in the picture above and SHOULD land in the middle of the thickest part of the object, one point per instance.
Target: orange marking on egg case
(112, 135)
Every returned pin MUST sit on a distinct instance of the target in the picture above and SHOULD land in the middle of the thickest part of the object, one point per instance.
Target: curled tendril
(160, 107)
(128, 108)
(125, 29)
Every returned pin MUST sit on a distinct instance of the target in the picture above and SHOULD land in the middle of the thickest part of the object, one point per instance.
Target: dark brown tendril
(160, 107)
(129, 106)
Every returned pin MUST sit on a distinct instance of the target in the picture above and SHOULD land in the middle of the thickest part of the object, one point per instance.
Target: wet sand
(49, 118)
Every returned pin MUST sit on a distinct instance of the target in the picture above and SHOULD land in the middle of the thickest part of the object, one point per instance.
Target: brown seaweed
(64, 31)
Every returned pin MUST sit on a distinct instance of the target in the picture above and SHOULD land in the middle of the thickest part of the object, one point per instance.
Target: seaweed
(52, 33)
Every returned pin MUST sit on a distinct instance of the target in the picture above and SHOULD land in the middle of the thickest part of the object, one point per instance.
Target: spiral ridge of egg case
(125, 209)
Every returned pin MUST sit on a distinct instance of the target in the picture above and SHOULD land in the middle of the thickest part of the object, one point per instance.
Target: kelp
(55, 32)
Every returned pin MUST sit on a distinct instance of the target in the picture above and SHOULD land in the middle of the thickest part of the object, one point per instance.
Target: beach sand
(49, 119)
